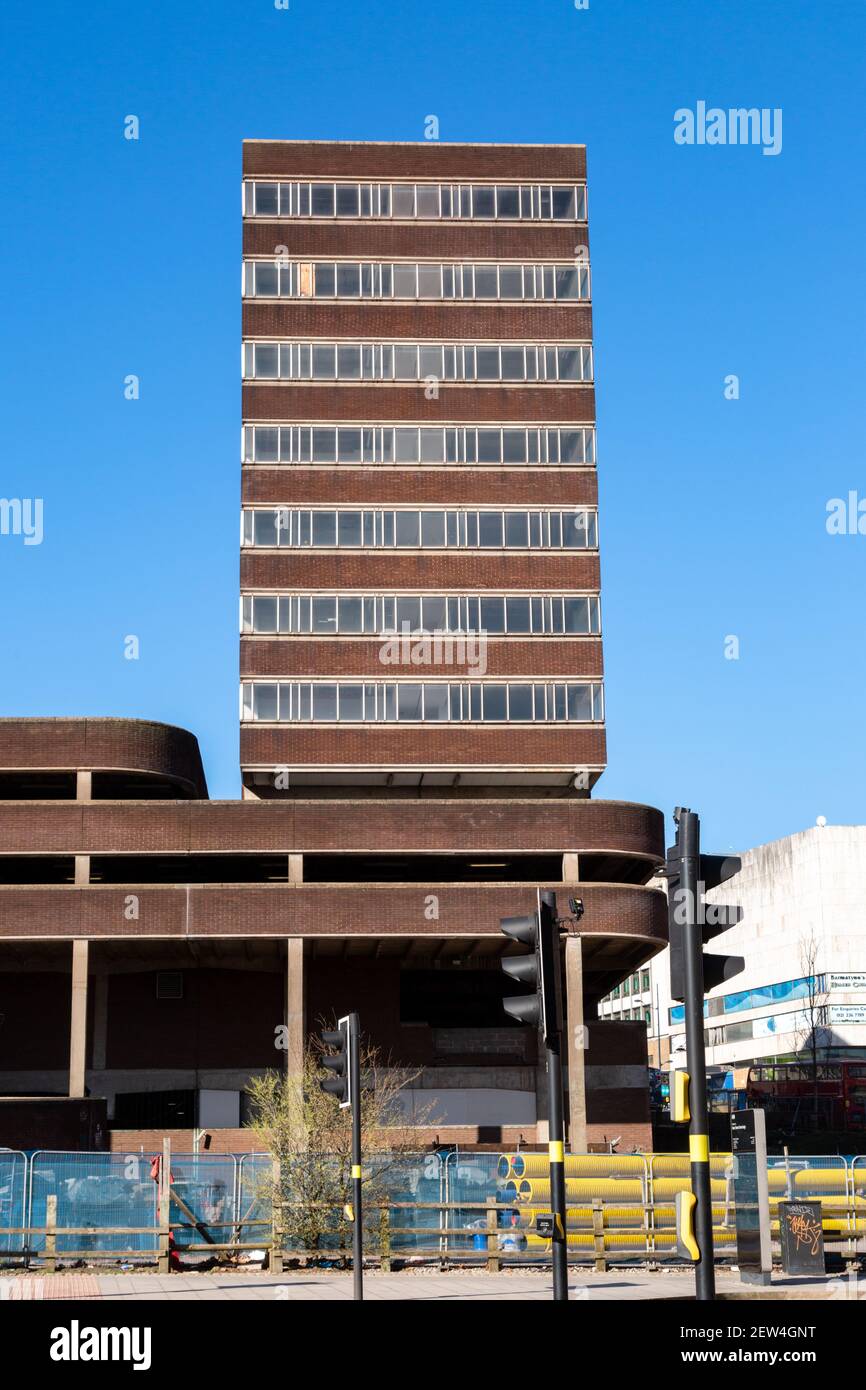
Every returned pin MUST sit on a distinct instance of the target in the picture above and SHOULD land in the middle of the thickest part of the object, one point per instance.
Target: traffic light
(688, 910)
(340, 1084)
(541, 968)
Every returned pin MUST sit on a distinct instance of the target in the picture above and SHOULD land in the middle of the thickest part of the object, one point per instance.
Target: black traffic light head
(339, 1084)
(690, 875)
(541, 968)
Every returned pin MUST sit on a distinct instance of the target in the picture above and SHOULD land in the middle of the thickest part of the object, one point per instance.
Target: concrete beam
(84, 785)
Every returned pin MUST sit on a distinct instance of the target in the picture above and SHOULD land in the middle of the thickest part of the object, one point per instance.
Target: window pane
(483, 204)
(486, 282)
(493, 614)
(324, 528)
(576, 615)
(427, 197)
(349, 528)
(266, 279)
(429, 282)
(324, 361)
(264, 701)
(511, 282)
(264, 613)
(405, 363)
(579, 702)
(513, 446)
(567, 280)
(519, 702)
(325, 279)
(402, 200)
(571, 446)
(322, 200)
(574, 530)
(490, 529)
(489, 446)
(347, 200)
(264, 528)
(432, 446)
(517, 613)
(406, 446)
(266, 200)
(408, 612)
(569, 364)
(487, 364)
(325, 446)
(516, 529)
(434, 614)
(405, 282)
(349, 361)
(435, 701)
(348, 280)
(494, 703)
(324, 615)
(266, 445)
(563, 204)
(350, 446)
(409, 701)
(406, 528)
(325, 702)
(507, 202)
(352, 702)
(430, 362)
(267, 360)
(433, 528)
(513, 365)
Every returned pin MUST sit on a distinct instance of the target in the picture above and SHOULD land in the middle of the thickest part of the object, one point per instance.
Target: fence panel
(13, 1196)
(95, 1190)
(204, 1199)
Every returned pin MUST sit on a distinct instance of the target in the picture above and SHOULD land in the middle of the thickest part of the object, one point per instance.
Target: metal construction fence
(445, 1205)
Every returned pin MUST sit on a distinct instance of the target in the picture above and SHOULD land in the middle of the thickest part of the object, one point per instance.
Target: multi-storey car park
(421, 693)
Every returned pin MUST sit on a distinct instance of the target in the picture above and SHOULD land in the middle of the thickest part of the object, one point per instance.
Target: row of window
(638, 983)
(399, 444)
(756, 998)
(329, 702)
(433, 529)
(417, 362)
(281, 279)
(423, 614)
(425, 201)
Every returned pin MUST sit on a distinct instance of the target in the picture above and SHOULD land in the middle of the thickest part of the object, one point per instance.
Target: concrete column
(78, 1027)
(570, 867)
(296, 868)
(295, 1006)
(84, 785)
(82, 870)
(576, 1045)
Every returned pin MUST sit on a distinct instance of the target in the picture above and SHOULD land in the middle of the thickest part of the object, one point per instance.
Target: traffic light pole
(355, 1093)
(688, 840)
(559, 1248)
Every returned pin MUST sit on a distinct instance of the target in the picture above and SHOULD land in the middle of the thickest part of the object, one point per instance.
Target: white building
(803, 938)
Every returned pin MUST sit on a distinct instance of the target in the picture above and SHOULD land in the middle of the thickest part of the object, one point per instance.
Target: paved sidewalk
(455, 1287)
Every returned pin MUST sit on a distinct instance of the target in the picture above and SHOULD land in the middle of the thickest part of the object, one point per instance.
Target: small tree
(303, 1127)
(813, 1036)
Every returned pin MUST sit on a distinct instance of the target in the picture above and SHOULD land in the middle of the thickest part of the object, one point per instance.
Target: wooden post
(51, 1233)
(164, 1194)
(385, 1239)
(275, 1264)
(598, 1235)
(493, 1265)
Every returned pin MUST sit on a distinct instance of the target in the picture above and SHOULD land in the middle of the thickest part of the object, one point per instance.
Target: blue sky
(123, 257)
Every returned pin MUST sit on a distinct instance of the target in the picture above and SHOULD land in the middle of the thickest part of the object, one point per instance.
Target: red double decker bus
(836, 1091)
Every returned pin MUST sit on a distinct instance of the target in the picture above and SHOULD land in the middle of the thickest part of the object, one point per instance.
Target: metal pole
(559, 1249)
(355, 1094)
(689, 840)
